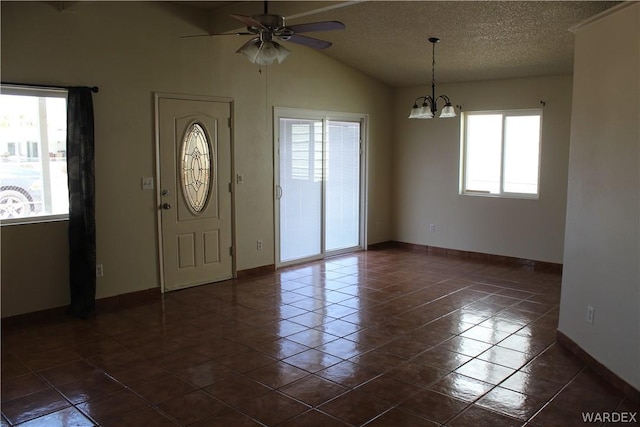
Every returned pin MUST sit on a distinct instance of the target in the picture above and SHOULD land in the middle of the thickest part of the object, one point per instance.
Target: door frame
(324, 115)
(158, 198)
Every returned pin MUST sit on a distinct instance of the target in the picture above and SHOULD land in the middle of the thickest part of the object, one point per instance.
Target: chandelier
(429, 106)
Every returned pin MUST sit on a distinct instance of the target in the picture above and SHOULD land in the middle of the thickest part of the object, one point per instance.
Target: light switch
(147, 183)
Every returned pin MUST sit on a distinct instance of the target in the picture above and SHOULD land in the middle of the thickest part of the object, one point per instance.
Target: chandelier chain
(433, 64)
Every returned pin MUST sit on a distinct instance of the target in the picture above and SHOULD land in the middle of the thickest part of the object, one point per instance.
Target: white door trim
(156, 106)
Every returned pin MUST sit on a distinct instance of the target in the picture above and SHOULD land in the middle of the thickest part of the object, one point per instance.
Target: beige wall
(427, 170)
(142, 54)
(602, 246)
(42, 281)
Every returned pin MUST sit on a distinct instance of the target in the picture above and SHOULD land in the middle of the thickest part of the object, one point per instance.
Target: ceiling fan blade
(308, 41)
(249, 21)
(215, 35)
(317, 26)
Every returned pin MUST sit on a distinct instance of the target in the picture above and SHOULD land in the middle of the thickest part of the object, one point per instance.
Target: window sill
(34, 220)
(501, 196)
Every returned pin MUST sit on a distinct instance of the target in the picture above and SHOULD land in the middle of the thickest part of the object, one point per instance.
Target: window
(196, 167)
(501, 153)
(306, 163)
(33, 161)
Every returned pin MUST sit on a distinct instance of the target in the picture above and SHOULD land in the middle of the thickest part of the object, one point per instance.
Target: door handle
(278, 192)
(166, 206)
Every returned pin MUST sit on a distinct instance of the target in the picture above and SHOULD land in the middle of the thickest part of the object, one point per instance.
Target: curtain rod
(94, 89)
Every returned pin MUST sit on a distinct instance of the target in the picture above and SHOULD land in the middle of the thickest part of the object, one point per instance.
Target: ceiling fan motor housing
(272, 22)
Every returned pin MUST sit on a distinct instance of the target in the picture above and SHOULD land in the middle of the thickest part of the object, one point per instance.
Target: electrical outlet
(432, 228)
(590, 312)
(99, 270)
(259, 245)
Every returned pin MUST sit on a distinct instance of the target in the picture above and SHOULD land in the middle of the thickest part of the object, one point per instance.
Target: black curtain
(82, 223)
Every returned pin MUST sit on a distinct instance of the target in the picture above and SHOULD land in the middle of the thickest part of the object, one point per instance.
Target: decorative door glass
(196, 167)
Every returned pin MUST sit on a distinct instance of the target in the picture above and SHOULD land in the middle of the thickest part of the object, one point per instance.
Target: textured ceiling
(480, 40)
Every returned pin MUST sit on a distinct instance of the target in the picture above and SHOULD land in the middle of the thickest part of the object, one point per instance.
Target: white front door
(194, 160)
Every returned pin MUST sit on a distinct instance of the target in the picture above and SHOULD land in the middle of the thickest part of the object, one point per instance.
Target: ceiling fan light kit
(429, 106)
(263, 51)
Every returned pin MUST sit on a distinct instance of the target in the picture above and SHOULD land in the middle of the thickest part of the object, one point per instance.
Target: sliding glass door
(319, 187)
(342, 185)
(300, 188)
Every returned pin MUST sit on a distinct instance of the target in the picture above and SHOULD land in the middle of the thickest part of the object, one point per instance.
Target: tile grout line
(550, 400)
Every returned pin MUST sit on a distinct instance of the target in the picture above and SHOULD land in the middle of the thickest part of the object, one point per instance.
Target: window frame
(14, 89)
(464, 154)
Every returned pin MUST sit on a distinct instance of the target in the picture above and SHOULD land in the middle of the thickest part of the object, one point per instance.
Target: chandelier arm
(429, 99)
(445, 97)
(415, 103)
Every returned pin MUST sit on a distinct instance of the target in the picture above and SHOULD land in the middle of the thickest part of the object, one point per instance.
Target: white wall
(602, 246)
(427, 170)
(131, 50)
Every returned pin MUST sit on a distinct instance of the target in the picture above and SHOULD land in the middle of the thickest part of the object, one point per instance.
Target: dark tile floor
(379, 338)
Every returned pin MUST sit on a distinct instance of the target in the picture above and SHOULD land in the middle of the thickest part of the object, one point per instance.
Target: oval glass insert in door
(195, 163)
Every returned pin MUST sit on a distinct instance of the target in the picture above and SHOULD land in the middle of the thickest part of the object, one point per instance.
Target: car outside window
(33, 162)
